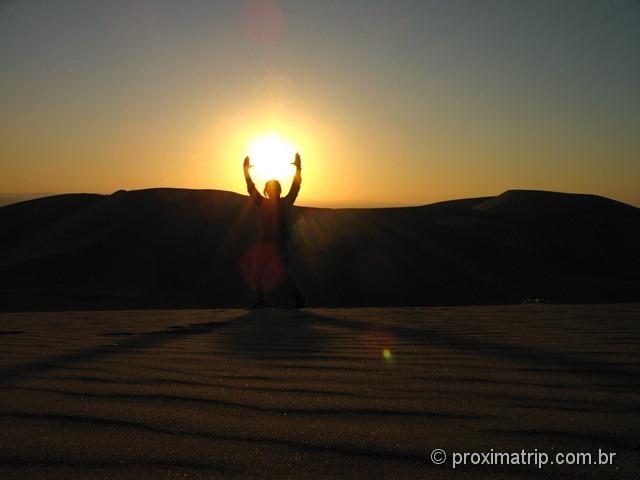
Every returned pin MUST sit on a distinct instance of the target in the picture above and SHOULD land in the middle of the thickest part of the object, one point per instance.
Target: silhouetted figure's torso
(275, 213)
(274, 220)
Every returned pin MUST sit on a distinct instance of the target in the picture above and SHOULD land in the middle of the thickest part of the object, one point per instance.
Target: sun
(271, 155)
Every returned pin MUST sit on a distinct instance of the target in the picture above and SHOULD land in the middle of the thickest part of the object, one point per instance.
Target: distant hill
(9, 198)
(182, 248)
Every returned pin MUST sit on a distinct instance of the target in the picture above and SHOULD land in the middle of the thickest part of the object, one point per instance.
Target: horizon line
(17, 197)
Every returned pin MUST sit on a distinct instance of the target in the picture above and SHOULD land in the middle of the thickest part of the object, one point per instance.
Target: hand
(297, 162)
(246, 165)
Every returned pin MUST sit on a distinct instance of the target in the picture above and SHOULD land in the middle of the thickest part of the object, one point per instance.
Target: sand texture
(318, 393)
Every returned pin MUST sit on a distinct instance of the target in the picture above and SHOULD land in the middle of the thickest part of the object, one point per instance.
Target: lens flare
(261, 267)
(378, 339)
(388, 356)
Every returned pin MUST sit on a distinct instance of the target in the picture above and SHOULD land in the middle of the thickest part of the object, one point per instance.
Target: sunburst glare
(271, 155)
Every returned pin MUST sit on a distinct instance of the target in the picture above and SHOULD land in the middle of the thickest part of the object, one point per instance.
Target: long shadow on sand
(269, 333)
(540, 359)
(131, 343)
(277, 334)
(289, 334)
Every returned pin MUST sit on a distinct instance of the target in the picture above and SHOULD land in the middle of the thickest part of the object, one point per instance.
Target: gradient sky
(391, 102)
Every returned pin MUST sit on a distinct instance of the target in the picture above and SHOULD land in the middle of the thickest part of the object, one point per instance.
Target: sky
(388, 102)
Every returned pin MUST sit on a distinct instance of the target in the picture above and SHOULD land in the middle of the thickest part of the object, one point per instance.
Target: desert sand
(318, 393)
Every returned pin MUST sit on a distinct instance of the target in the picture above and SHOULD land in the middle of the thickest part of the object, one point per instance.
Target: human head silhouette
(272, 189)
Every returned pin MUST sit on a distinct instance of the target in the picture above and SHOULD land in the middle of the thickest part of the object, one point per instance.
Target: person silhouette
(272, 257)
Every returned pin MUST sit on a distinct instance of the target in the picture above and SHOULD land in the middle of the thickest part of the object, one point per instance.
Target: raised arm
(251, 187)
(297, 180)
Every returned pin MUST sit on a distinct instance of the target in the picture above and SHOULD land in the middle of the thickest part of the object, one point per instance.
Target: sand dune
(318, 393)
(187, 248)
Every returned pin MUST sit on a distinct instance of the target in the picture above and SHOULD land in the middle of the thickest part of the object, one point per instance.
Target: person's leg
(257, 274)
(288, 278)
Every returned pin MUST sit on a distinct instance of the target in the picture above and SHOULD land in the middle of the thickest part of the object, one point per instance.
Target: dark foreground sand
(356, 393)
